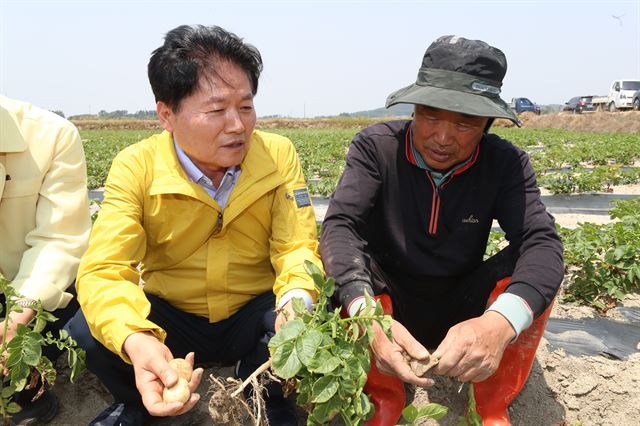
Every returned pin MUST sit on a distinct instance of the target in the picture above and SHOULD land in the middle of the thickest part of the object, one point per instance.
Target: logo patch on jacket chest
(470, 219)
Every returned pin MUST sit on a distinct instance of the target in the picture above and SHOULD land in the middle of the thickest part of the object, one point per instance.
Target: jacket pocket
(17, 187)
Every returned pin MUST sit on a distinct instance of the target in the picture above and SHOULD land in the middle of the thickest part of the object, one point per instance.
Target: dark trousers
(50, 351)
(427, 315)
(243, 336)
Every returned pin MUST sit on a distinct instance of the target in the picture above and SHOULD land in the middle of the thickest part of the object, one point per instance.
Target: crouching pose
(203, 232)
(409, 223)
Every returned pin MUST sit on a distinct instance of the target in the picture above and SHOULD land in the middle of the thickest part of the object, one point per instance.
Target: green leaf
(315, 273)
(410, 413)
(323, 362)
(285, 361)
(7, 392)
(307, 345)
(323, 389)
(76, 359)
(13, 408)
(304, 391)
(290, 330)
(329, 288)
(432, 411)
(299, 305)
(19, 376)
(364, 405)
(348, 386)
(386, 322)
(64, 335)
(324, 412)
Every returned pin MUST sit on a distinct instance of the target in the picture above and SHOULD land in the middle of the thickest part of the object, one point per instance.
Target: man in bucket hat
(409, 223)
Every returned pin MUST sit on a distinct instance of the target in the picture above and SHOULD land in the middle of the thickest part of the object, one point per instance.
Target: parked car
(579, 104)
(520, 105)
(636, 100)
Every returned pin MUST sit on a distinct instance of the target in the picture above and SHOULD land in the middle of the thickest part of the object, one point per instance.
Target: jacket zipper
(435, 206)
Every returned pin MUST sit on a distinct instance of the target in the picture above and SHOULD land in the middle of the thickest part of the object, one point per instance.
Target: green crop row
(602, 261)
(597, 179)
(322, 154)
(101, 146)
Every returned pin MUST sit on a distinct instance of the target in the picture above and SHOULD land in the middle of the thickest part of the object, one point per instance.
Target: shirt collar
(193, 172)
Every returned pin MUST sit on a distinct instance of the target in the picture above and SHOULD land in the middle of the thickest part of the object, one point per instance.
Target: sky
(320, 57)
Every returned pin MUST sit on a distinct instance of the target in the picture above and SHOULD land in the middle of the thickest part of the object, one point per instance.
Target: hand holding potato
(153, 373)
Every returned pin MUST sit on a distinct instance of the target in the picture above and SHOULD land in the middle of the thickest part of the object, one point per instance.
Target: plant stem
(264, 367)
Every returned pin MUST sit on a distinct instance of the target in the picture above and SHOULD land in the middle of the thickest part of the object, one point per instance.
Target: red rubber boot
(385, 392)
(495, 394)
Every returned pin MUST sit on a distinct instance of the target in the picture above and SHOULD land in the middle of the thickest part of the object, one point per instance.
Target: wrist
(502, 325)
(135, 341)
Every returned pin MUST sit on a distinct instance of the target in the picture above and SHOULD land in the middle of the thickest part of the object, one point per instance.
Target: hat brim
(453, 100)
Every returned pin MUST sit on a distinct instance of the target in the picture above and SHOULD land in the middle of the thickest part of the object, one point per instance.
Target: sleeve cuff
(296, 292)
(515, 309)
(347, 293)
(356, 305)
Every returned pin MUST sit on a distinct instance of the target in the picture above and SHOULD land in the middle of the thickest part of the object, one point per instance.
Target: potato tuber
(177, 393)
(183, 368)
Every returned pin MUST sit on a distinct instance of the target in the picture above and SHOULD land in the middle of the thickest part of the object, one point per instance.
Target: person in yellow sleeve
(44, 225)
(203, 232)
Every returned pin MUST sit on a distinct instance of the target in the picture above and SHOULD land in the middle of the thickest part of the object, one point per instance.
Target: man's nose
(234, 123)
(442, 132)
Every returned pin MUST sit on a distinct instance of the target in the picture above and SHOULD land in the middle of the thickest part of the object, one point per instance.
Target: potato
(182, 367)
(177, 393)
(421, 367)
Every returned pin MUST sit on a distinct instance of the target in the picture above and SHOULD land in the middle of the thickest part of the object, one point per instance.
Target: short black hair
(189, 52)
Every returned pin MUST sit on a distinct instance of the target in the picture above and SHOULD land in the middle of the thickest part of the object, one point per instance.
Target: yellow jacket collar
(169, 177)
(11, 139)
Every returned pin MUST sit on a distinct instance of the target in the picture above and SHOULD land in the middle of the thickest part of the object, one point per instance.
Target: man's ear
(165, 115)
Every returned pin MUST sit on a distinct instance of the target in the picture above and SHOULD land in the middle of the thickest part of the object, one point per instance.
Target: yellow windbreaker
(160, 231)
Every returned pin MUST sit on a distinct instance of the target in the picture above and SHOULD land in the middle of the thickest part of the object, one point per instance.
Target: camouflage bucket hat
(459, 75)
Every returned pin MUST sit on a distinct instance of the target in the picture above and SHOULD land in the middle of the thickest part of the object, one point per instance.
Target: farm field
(602, 256)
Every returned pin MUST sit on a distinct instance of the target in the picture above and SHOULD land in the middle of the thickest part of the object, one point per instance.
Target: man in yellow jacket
(44, 224)
(202, 234)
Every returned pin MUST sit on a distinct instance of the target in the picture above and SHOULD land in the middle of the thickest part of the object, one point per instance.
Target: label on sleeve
(302, 197)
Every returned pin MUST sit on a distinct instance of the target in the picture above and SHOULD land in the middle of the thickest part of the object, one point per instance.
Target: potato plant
(604, 260)
(327, 357)
(21, 358)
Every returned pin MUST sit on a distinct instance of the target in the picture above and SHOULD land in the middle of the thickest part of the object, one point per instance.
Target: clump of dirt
(609, 122)
(420, 367)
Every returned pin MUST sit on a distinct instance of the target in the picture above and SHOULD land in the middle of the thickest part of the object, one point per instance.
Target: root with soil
(227, 405)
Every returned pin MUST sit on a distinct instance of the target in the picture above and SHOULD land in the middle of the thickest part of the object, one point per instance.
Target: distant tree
(59, 112)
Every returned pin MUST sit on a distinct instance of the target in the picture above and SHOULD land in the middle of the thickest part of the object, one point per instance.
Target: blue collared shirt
(223, 191)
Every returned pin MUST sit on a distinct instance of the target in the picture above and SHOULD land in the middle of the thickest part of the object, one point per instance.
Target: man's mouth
(440, 155)
(234, 145)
